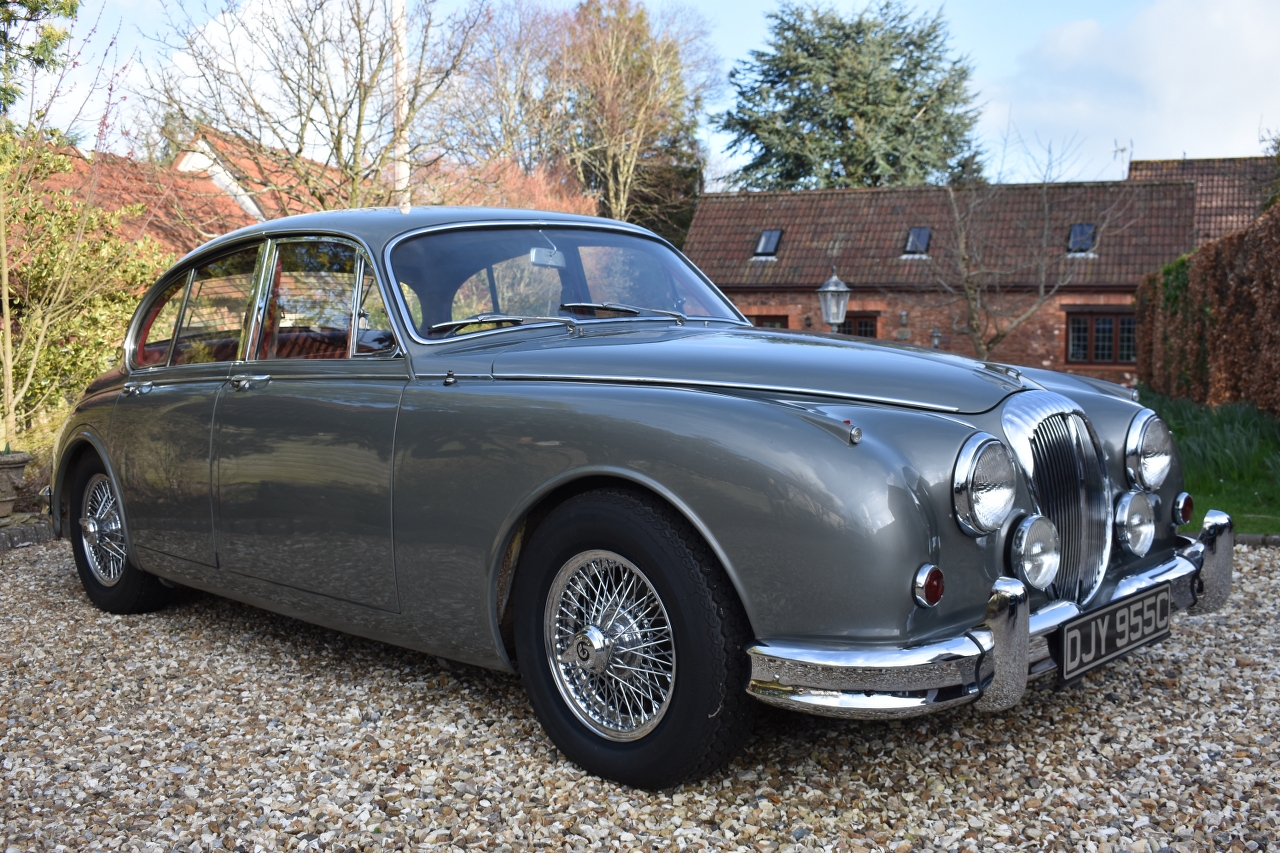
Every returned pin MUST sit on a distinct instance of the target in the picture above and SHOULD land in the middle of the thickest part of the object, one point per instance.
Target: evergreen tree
(868, 102)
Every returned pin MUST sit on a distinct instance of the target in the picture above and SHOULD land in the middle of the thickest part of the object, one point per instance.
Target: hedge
(1209, 323)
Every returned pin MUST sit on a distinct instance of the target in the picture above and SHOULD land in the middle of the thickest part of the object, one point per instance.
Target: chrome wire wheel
(101, 531)
(609, 645)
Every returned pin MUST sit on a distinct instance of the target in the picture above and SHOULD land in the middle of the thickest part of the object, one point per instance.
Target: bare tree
(507, 104)
(635, 86)
(1006, 251)
(297, 98)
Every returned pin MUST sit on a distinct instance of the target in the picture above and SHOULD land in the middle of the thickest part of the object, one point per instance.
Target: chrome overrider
(990, 664)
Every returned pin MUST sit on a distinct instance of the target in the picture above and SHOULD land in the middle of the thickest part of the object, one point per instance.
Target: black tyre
(112, 582)
(631, 641)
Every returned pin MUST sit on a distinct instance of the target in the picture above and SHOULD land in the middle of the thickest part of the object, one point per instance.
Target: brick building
(909, 255)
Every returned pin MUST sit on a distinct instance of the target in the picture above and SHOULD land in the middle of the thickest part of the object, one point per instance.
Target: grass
(1230, 459)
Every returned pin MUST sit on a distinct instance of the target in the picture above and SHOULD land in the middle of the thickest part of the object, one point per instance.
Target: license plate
(1117, 629)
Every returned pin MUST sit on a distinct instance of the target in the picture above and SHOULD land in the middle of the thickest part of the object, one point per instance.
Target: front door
(304, 432)
(163, 420)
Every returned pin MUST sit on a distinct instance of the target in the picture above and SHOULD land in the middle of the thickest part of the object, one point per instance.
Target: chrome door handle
(133, 388)
(246, 381)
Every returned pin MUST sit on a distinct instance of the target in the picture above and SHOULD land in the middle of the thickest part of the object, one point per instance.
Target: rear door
(304, 431)
(163, 421)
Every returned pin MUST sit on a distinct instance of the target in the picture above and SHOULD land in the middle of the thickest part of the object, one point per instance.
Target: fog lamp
(1136, 523)
(1035, 551)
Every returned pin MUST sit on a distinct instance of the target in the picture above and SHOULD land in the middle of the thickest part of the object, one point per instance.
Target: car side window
(308, 311)
(214, 317)
(373, 327)
(156, 333)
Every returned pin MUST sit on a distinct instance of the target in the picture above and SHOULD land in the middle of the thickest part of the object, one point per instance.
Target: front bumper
(990, 664)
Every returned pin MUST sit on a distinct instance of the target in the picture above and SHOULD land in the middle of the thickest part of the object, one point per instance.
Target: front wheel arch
(526, 525)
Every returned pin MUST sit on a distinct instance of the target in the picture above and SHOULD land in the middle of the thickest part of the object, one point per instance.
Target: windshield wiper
(627, 309)
(479, 319)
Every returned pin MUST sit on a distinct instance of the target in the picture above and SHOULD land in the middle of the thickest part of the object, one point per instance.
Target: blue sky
(1159, 78)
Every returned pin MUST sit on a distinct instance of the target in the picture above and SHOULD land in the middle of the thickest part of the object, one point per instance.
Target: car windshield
(544, 273)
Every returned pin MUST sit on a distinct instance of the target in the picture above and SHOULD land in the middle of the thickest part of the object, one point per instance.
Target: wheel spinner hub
(102, 532)
(610, 645)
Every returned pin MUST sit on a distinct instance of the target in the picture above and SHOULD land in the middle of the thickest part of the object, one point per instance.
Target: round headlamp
(1148, 451)
(1035, 551)
(983, 486)
(1136, 522)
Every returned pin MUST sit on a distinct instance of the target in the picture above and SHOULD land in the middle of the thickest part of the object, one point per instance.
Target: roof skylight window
(767, 245)
(1082, 238)
(918, 241)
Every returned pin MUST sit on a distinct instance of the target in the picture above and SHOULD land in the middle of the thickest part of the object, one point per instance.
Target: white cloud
(1174, 77)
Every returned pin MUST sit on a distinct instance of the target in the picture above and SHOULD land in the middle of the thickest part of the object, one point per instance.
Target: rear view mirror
(547, 258)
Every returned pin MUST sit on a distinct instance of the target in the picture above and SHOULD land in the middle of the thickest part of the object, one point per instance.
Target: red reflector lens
(933, 587)
(1184, 508)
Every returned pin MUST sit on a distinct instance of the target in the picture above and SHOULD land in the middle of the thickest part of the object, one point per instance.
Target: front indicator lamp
(1136, 522)
(1035, 551)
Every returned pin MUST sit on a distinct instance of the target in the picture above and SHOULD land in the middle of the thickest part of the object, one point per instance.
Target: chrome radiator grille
(1057, 449)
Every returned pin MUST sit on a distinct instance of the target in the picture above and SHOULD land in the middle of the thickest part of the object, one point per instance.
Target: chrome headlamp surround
(971, 499)
(1148, 451)
(1136, 522)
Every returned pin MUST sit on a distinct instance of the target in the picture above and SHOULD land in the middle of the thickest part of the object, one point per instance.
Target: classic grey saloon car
(547, 443)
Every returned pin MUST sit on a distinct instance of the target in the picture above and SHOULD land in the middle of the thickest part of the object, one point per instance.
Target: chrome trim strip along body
(988, 665)
(737, 386)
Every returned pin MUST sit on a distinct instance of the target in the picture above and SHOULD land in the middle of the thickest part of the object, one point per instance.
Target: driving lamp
(1148, 451)
(1035, 551)
(1136, 523)
(983, 486)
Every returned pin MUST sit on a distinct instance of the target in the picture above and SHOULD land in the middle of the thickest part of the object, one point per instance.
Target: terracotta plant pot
(11, 478)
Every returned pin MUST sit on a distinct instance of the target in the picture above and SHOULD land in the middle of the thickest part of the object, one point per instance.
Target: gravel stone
(215, 726)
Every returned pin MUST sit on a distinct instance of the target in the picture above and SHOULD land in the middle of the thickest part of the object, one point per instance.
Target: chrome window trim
(134, 329)
(961, 485)
(263, 292)
(188, 264)
(615, 227)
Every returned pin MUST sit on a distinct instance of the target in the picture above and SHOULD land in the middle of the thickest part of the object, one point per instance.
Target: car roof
(376, 226)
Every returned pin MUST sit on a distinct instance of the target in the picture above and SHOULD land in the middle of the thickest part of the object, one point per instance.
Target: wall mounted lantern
(834, 296)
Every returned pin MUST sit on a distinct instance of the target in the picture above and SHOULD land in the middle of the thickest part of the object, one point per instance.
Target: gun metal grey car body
(507, 438)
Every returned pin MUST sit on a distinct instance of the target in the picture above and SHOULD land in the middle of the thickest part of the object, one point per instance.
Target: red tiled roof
(863, 232)
(182, 210)
(1229, 191)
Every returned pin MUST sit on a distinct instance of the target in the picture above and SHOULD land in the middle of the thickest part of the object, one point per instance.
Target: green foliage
(872, 101)
(29, 40)
(73, 276)
(1174, 279)
(1230, 458)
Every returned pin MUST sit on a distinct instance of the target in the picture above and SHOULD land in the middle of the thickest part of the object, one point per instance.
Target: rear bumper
(990, 664)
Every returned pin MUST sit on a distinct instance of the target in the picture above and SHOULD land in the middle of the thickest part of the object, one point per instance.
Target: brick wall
(1041, 342)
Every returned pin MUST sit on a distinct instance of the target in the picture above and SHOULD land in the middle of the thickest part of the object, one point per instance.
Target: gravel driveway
(214, 725)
